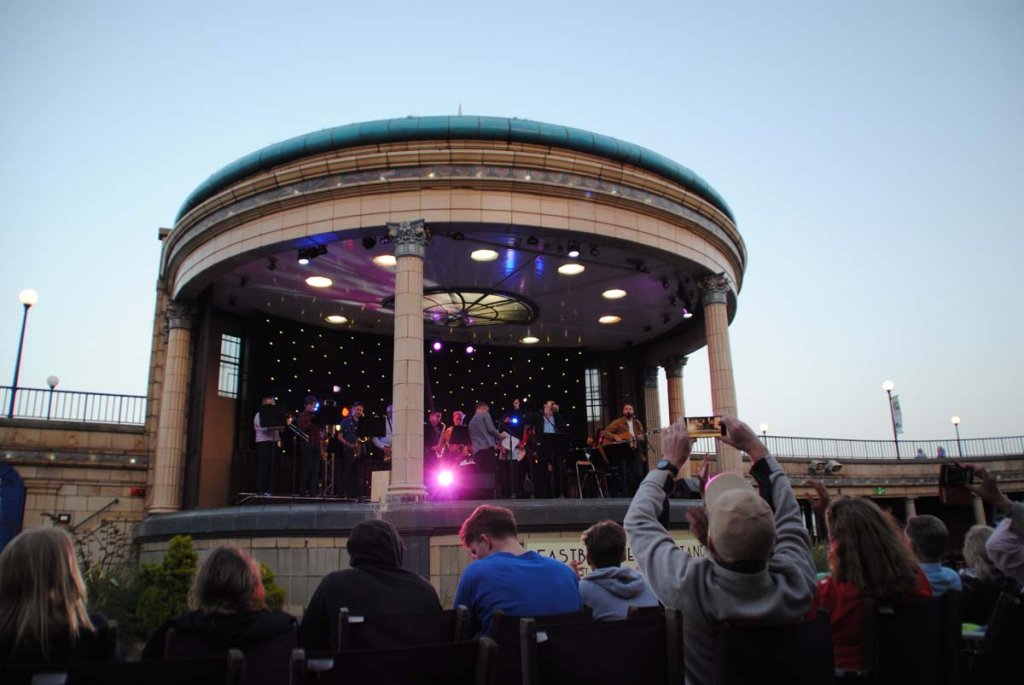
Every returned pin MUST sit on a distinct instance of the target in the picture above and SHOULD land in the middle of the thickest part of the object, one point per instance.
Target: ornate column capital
(180, 314)
(651, 377)
(674, 366)
(715, 289)
(409, 237)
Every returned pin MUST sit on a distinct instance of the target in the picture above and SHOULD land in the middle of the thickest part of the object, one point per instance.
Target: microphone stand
(295, 449)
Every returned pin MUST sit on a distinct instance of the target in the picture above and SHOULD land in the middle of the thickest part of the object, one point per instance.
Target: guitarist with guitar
(627, 428)
(351, 451)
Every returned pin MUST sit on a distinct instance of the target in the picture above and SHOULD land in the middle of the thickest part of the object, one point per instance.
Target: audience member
(868, 557)
(505, 576)
(982, 581)
(376, 583)
(759, 565)
(43, 614)
(610, 588)
(1005, 547)
(228, 607)
(928, 537)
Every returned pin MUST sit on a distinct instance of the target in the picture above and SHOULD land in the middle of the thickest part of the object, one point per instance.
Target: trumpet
(442, 442)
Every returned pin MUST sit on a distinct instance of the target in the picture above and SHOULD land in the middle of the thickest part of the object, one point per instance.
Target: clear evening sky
(873, 153)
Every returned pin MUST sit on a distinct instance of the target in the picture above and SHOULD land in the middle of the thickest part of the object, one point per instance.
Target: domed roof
(453, 128)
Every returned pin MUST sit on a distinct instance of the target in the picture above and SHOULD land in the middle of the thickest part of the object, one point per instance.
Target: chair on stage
(454, 663)
(266, 662)
(642, 649)
(505, 631)
(383, 631)
(221, 670)
(799, 653)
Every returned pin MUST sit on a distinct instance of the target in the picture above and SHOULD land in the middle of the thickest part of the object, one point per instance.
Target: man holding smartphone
(759, 565)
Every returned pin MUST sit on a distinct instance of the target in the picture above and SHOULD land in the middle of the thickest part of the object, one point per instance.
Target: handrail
(73, 405)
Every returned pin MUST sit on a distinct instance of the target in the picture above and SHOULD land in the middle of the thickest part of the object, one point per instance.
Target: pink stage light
(445, 478)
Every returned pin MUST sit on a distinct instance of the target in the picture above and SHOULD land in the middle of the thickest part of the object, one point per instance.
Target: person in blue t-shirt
(928, 537)
(505, 576)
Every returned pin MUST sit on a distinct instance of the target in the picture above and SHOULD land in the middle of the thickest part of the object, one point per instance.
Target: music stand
(618, 454)
(553, 447)
(272, 416)
(460, 436)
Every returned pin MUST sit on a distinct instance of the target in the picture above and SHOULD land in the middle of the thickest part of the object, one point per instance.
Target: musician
(309, 448)
(460, 451)
(548, 421)
(266, 440)
(348, 436)
(485, 439)
(433, 431)
(512, 422)
(628, 428)
(384, 443)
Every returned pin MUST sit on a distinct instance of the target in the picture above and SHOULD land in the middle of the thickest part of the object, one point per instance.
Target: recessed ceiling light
(385, 260)
(609, 319)
(337, 318)
(571, 269)
(484, 255)
(613, 294)
(319, 281)
(530, 340)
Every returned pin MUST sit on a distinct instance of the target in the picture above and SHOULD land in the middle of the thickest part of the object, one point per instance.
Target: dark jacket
(243, 630)
(90, 646)
(376, 584)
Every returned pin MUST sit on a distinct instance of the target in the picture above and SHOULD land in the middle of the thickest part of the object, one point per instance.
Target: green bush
(275, 593)
(166, 585)
(820, 554)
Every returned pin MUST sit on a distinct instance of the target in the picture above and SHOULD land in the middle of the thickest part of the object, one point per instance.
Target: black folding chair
(455, 663)
(382, 631)
(798, 653)
(995, 653)
(224, 670)
(266, 662)
(505, 631)
(912, 641)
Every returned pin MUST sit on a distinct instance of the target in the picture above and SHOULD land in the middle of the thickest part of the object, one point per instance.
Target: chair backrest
(505, 631)
(384, 631)
(266, 662)
(636, 612)
(912, 640)
(998, 654)
(455, 663)
(799, 653)
(644, 649)
(222, 670)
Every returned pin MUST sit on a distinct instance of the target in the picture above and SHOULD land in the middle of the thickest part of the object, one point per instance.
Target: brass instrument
(442, 442)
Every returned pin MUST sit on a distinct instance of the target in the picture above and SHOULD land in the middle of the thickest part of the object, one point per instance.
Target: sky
(872, 153)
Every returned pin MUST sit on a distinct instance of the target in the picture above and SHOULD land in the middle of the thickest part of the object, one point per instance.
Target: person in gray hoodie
(759, 566)
(610, 589)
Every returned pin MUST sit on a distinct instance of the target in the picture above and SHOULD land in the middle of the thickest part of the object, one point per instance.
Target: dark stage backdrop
(291, 360)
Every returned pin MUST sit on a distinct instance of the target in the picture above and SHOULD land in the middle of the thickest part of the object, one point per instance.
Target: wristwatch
(666, 465)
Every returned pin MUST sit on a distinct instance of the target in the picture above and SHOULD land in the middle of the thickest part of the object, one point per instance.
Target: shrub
(275, 593)
(165, 586)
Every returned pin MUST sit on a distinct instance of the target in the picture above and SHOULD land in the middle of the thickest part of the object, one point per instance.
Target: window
(230, 358)
(595, 412)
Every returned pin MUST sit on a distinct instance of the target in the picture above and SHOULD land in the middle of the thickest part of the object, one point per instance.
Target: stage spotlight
(445, 478)
(271, 263)
(458, 235)
(437, 346)
(594, 252)
(833, 466)
(369, 242)
(532, 240)
(574, 250)
(664, 283)
(303, 260)
(309, 253)
(687, 314)
(816, 466)
(470, 349)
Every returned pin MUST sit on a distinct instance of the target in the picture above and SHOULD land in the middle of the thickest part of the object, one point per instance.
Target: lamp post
(888, 387)
(27, 297)
(764, 431)
(51, 381)
(955, 420)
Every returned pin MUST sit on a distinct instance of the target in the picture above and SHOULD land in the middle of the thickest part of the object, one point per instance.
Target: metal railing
(71, 405)
(832, 448)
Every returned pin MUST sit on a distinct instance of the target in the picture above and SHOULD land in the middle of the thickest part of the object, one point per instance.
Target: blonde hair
(42, 592)
(975, 555)
(868, 550)
(228, 582)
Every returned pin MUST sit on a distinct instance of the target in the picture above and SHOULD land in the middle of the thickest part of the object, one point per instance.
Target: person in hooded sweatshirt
(228, 607)
(376, 583)
(610, 589)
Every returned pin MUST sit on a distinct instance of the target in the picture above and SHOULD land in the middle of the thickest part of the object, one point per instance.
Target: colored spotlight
(470, 349)
(445, 478)
(437, 346)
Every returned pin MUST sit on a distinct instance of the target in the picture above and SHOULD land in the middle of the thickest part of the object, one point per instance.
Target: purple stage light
(470, 349)
(445, 478)
(437, 346)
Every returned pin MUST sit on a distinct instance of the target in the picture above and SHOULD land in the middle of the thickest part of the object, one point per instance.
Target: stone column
(911, 507)
(979, 510)
(652, 421)
(674, 378)
(410, 241)
(168, 467)
(715, 292)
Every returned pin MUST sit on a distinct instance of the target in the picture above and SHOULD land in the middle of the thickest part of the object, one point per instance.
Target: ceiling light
(484, 255)
(305, 254)
(336, 318)
(470, 349)
(530, 340)
(319, 282)
(385, 260)
(609, 319)
(571, 269)
(369, 241)
(574, 249)
(303, 260)
(613, 294)
(437, 346)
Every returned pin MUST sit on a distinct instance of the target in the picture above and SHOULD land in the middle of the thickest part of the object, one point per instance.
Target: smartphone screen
(705, 426)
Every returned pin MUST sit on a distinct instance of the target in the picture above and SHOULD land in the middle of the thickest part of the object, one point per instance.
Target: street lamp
(888, 387)
(955, 420)
(27, 297)
(51, 381)
(764, 430)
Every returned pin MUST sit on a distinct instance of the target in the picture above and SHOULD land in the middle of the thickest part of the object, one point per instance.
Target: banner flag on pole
(897, 415)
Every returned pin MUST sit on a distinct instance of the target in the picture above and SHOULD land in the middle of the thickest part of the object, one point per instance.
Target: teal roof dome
(457, 128)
